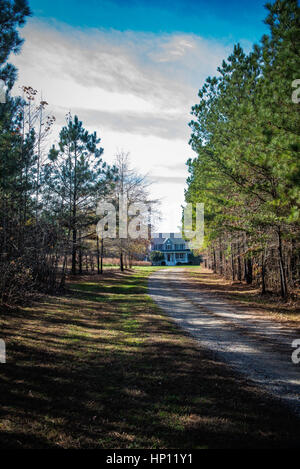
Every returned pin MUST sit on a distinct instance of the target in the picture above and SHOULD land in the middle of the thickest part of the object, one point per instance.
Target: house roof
(174, 240)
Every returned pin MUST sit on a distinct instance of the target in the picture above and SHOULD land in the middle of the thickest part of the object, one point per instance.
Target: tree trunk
(80, 255)
(214, 262)
(65, 264)
(74, 251)
(293, 263)
(232, 264)
(239, 272)
(121, 261)
(263, 274)
(248, 271)
(221, 259)
(283, 282)
(98, 256)
(102, 250)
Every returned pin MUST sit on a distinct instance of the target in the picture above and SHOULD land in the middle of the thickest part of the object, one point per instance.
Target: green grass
(102, 367)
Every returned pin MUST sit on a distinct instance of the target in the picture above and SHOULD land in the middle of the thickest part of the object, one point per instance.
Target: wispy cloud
(143, 72)
(163, 125)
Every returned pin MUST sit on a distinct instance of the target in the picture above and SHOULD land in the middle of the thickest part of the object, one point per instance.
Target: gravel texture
(258, 348)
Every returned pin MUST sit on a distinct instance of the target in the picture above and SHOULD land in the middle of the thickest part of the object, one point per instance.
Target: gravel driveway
(258, 348)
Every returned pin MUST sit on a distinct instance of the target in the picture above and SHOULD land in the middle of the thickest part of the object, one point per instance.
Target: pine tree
(76, 178)
(13, 14)
(246, 136)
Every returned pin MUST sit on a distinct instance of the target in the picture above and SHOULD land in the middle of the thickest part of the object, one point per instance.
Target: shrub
(156, 256)
(16, 282)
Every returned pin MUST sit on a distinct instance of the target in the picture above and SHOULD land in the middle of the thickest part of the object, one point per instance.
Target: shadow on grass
(248, 296)
(87, 373)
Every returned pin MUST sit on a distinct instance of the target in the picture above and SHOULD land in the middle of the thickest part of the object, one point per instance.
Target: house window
(179, 255)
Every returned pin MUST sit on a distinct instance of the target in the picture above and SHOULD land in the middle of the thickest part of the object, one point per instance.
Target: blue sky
(131, 70)
(226, 19)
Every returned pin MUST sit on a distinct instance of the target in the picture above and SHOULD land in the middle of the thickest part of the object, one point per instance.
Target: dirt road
(258, 348)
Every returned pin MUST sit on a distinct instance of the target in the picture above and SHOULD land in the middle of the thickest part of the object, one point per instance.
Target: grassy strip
(103, 368)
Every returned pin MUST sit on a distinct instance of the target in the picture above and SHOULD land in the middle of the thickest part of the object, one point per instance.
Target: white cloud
(172, 49)
(136, 89)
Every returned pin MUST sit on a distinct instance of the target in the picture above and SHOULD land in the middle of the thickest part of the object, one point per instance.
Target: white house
(172, 246)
